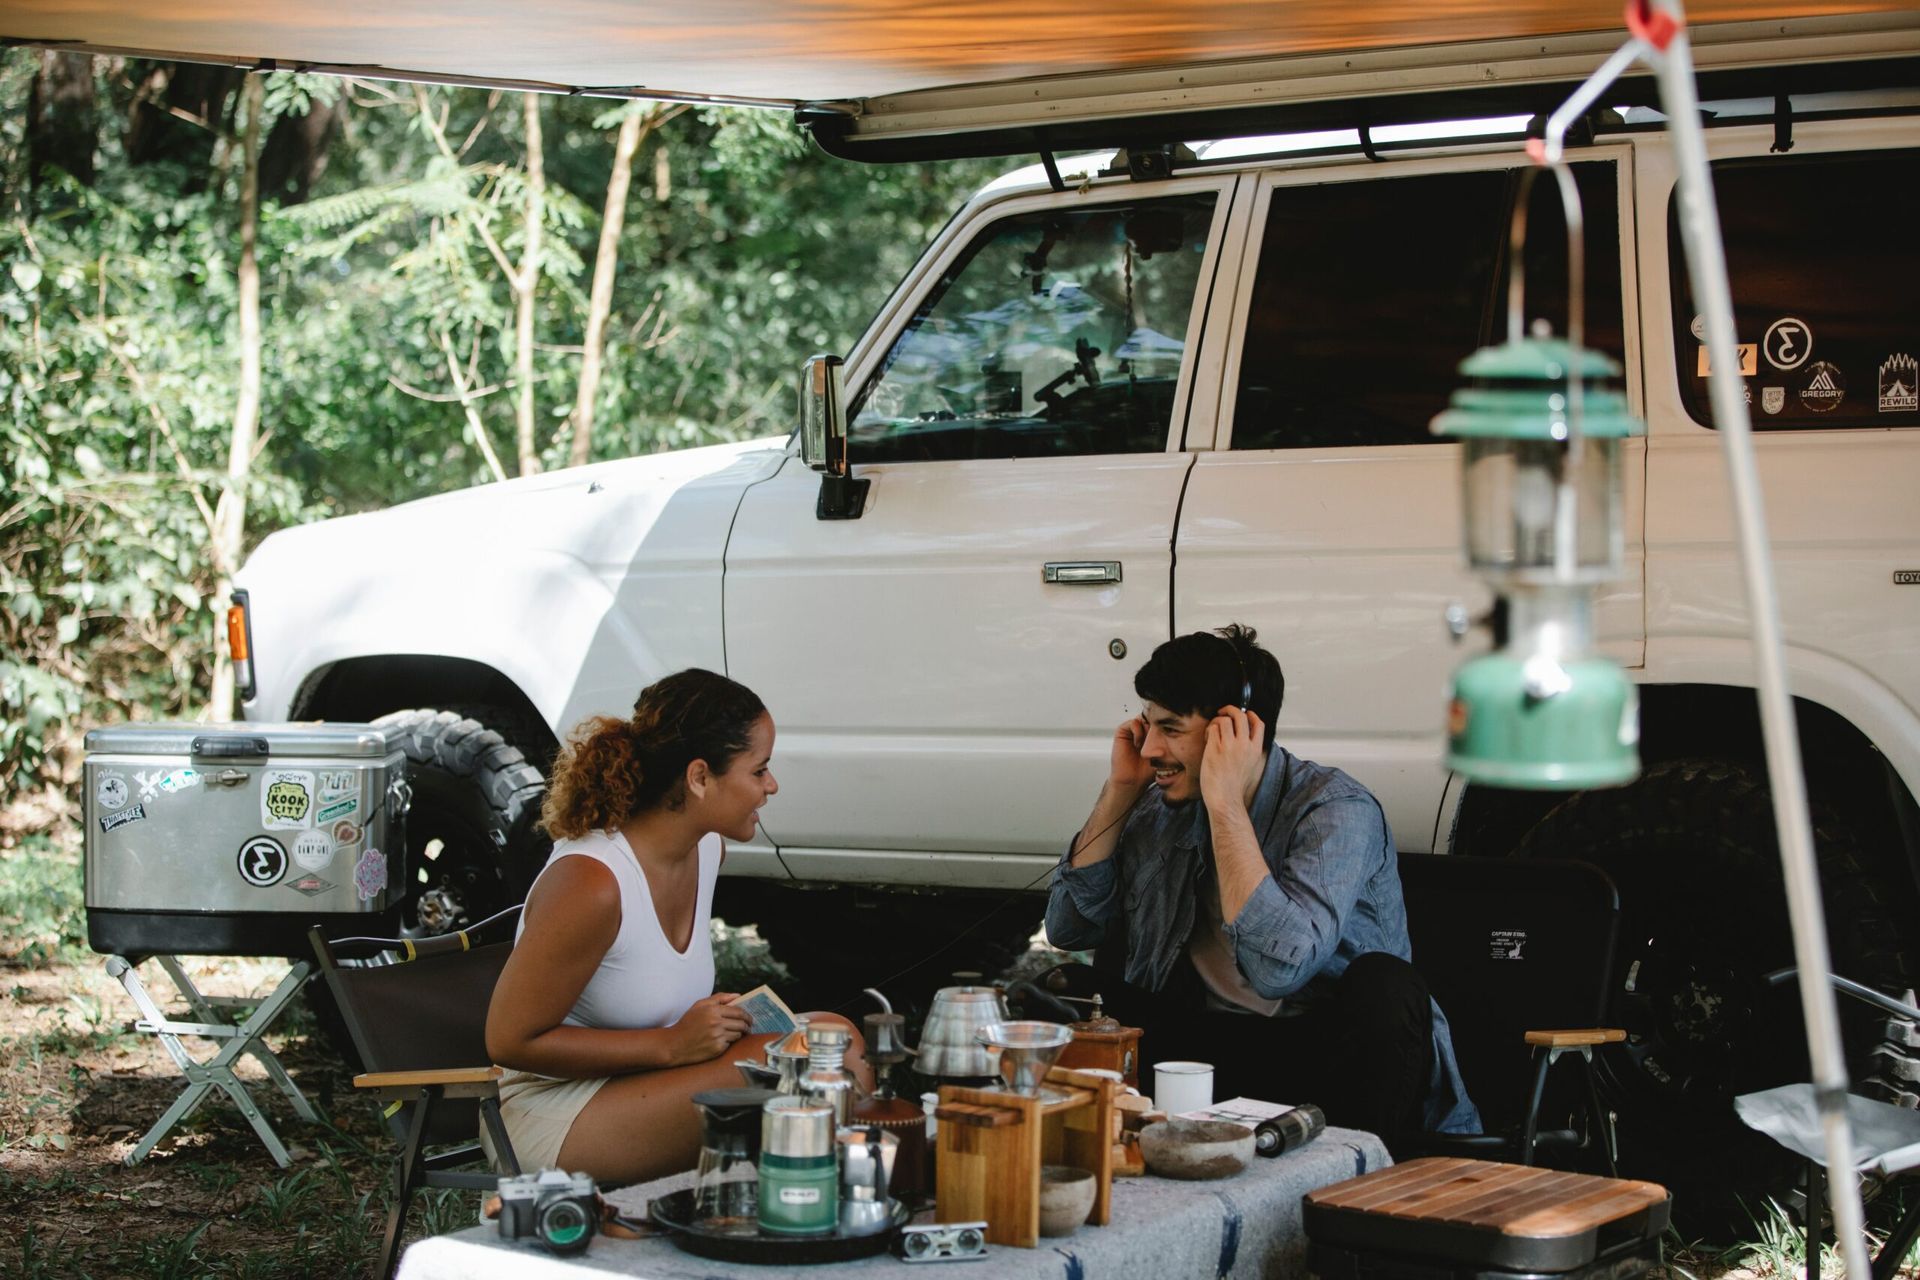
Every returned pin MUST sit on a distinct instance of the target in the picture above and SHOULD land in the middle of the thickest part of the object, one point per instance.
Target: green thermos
(799, 1167)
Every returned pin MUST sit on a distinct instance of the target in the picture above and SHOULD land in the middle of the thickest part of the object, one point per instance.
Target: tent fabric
(787, 52)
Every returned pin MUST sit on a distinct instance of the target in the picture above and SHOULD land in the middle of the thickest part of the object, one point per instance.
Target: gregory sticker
(262, 861)
(338, 809)
(1788, 343)
(1826, 387)
(1899, 385)
(335, 783)
(179, 780)
(1773, 399)
(312, 886)
(136, 814)
(313, 849)
(370, 875)
(286, 799)
(111, 791)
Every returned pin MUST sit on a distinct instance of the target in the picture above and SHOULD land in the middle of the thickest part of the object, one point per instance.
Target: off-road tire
(473, 841)
(1693, 849)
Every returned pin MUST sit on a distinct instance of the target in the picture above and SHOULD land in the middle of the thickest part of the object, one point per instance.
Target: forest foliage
(393, 220)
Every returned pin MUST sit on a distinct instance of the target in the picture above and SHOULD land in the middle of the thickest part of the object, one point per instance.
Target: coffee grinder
(886, 1110)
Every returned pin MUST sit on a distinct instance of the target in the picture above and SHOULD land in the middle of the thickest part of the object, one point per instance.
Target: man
(1257, 896)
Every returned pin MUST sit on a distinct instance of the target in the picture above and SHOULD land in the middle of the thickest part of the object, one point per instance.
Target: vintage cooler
(233, 839)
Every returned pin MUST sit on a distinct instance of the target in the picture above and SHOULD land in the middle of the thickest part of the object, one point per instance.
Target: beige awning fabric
(788, 52)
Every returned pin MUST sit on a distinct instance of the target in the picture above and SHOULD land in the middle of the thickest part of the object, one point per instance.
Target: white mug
(1179, 1087)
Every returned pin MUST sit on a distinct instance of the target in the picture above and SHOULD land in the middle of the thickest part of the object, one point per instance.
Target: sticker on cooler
(312, 886)
(370, 875)
(262, 862)
(337, 810)
(345, 833)
(286, 799)
(136, 814)
(313, 849)
(1899, 385)
(1788, 343)
(1826, 387)
(179, 780)
(338, 783)
(110, 792)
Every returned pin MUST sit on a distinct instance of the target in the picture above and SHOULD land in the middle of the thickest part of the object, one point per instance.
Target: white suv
(1106, 411)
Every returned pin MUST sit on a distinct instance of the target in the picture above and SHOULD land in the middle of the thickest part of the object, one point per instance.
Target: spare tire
(473, 838)
(1693, 848)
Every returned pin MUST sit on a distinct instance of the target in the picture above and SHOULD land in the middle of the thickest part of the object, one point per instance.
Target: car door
(1328, 516)
(945, 669)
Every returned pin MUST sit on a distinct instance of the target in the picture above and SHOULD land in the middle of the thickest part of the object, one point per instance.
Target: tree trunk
(528, 288)
(230, 516)
(294, 156)
(633, 132)
(60, 117)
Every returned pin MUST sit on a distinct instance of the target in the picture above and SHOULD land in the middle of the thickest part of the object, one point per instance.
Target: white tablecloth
(1242, 1227)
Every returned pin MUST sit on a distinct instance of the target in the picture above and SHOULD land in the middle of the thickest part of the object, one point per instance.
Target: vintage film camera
(557, 1210)
(943, 1242)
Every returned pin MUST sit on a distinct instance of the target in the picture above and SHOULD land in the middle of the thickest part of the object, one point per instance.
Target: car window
(1822, 256)
(1369, 294)
(1057, 332)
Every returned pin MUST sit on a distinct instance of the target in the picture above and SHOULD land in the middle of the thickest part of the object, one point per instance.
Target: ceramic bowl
(1196, 1149)
(1066, 1198)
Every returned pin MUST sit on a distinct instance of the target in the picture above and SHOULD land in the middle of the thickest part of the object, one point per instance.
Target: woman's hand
(708, 1029)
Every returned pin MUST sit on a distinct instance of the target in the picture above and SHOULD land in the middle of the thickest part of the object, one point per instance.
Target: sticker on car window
(1788, 343)
(1899, 384)
(1826, 387)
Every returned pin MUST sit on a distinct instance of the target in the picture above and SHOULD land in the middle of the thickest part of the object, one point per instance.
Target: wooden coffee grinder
(992, 1143)
(1101, 1043)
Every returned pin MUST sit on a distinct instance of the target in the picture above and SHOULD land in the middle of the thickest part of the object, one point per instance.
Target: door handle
(1080, 573)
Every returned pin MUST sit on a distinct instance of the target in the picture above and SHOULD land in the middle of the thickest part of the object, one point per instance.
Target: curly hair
(613, 770)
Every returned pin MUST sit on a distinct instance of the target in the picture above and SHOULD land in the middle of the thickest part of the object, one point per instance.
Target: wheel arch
(364, 688)
(1845, 766)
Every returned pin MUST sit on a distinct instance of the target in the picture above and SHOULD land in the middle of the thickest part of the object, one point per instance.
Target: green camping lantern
(1542, 420)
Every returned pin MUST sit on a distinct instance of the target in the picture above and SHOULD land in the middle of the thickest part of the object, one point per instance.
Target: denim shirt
(1332, 893)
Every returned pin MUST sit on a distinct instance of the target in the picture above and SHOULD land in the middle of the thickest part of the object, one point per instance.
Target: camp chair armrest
(1575, 1038)
(421, 1079)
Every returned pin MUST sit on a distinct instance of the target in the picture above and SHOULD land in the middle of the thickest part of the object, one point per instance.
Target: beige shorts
(538, 1112)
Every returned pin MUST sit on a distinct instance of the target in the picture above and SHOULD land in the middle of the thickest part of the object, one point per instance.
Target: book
(768, 1011)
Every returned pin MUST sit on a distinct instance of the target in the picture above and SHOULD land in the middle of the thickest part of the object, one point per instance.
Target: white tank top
(642, 982)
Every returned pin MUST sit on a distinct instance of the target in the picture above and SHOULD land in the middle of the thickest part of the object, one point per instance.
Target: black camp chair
(417, 1012)
(1519, 954)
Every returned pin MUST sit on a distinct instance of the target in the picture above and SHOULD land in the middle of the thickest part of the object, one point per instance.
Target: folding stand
(217, 1023)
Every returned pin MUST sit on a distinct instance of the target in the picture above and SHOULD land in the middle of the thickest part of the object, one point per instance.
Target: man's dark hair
(1200, 673)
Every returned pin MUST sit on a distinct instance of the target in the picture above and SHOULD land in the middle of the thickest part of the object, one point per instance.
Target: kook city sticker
(1773, 399)
(1899, 385)
(286, 799)
(313, 850)
(262, 862)
(1826, 387)
(111, 791)
(1788, 343)
(370, 875)
(337, 810)
(136, 814)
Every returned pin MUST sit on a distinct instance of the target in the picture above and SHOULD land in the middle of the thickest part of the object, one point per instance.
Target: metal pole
(1707, 269)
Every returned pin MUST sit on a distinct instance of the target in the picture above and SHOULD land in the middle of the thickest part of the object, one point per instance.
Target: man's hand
(1231, 766)
(706, 1030)
(1128, 770)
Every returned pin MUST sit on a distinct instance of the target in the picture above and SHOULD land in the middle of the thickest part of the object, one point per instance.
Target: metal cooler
(234, 839)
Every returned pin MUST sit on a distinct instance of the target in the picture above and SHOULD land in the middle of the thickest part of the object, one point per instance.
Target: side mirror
(823, 440)
(823, 415)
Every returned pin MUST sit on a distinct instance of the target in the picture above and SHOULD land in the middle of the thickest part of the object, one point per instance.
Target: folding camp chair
(1518, 952)
(417, 1014)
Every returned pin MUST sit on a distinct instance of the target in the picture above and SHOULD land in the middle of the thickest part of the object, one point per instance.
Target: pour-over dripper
(1026, 1052)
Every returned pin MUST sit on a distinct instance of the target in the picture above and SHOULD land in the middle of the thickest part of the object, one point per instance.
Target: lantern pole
(1660, 38)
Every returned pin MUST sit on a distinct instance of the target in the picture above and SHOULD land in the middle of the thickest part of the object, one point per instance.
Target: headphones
(1246, 681)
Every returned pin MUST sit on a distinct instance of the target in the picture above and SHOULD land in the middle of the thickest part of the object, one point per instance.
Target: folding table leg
(277, 998)
(183, 1106)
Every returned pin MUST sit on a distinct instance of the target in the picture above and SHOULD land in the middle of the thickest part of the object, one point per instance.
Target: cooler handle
(228, 748)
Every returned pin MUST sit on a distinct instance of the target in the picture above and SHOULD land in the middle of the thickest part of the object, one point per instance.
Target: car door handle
(1080, 573)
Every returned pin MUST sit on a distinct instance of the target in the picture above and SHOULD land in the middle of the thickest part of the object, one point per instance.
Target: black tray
(673, 1213)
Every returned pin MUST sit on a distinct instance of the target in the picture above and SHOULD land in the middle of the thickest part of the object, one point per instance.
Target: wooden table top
(1510, 1199)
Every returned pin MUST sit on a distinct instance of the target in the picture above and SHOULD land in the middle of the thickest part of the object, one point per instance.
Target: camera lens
(564, 1226)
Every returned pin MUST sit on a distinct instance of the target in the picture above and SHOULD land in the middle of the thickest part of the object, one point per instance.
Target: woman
(605, 1016)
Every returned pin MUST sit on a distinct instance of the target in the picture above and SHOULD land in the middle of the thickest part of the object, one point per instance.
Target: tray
(674, 1214)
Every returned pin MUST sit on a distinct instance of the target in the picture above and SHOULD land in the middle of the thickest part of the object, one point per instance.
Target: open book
(768, 1011)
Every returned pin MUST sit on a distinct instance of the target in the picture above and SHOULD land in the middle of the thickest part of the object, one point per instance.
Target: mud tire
(473, 843)
(1692, 847)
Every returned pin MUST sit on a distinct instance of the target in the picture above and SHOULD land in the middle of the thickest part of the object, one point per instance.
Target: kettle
(866, 1167)
(949, 1039)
